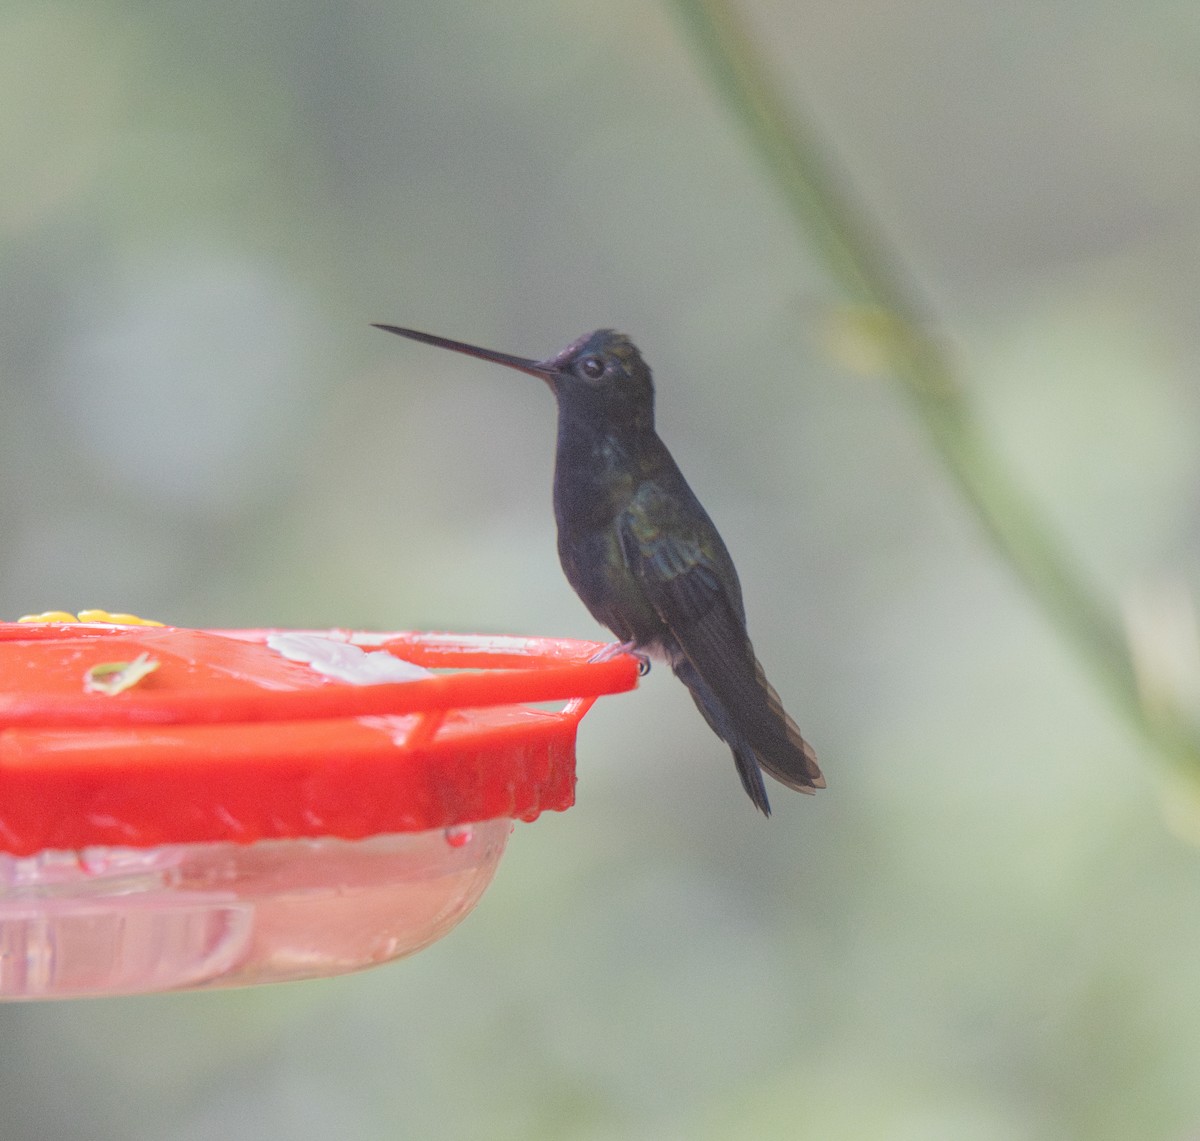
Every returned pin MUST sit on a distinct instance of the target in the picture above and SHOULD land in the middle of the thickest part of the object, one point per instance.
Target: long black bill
(534, 368)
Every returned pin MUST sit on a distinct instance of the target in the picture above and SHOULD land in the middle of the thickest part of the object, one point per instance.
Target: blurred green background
(989, 926)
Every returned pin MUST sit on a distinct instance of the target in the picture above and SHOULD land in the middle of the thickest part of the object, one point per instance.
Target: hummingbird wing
(679, 560)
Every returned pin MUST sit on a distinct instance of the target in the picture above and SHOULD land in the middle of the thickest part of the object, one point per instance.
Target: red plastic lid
(224, 735)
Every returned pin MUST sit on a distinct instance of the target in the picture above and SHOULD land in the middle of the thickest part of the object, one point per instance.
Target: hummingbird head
(599, 378)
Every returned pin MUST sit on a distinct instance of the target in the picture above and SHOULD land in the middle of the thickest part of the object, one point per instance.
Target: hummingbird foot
(616, 649)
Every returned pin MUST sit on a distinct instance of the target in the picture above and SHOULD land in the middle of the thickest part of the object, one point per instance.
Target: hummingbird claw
(616, 649)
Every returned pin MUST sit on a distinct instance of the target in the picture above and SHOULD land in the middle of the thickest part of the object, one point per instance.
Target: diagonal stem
(858, 259)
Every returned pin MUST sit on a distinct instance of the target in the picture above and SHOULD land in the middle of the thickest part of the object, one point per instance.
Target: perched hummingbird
(644, 556)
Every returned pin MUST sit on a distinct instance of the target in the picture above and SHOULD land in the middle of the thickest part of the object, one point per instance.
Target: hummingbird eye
(592, 367)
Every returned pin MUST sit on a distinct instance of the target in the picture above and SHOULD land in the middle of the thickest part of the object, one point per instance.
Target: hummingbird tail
(719, 721)
(771, 742)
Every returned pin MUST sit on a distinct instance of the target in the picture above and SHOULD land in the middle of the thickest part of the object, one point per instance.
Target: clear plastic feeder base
(125, 920)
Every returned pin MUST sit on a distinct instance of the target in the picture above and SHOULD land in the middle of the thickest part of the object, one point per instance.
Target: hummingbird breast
(595, 482)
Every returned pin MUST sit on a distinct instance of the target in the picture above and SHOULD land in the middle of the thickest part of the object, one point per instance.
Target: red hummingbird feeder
(187, 808)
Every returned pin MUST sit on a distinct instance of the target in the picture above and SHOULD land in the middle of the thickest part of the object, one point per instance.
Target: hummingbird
(645, 558)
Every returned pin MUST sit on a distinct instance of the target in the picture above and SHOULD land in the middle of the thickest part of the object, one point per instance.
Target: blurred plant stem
(857, 258)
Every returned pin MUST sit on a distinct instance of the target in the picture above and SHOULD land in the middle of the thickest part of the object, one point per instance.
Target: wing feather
(679, 567)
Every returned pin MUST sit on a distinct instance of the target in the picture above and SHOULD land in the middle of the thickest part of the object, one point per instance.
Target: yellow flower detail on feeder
(87, 616)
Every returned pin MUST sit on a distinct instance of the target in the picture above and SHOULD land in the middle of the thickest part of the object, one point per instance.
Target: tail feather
(752, 781)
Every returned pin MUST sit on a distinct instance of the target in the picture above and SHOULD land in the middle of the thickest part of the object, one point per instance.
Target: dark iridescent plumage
(643, 555)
